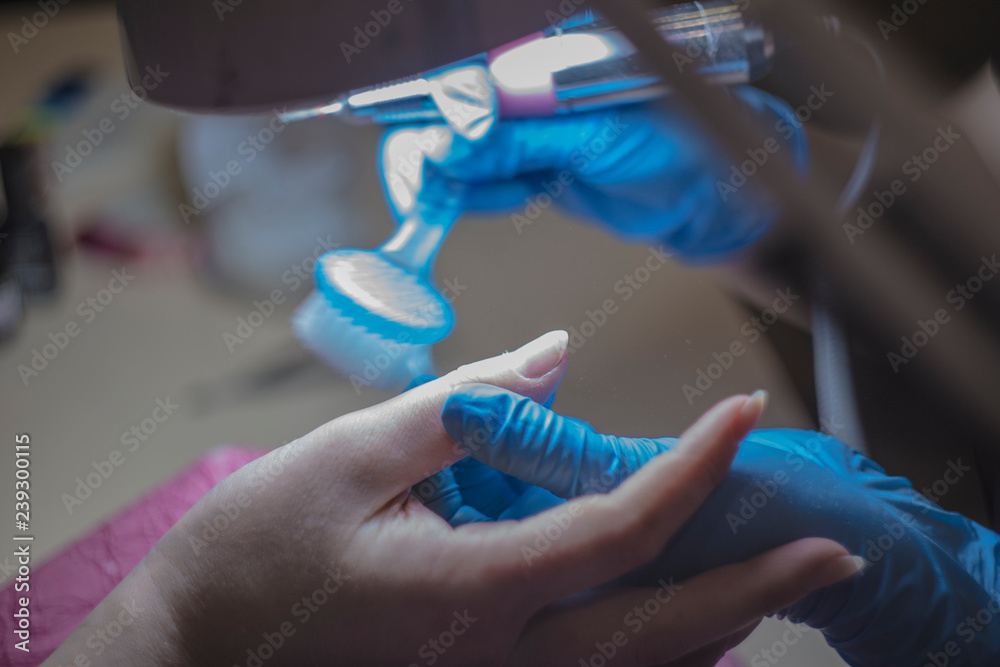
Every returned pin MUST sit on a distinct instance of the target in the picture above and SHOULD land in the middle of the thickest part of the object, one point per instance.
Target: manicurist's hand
(644, 172)
(929, 592)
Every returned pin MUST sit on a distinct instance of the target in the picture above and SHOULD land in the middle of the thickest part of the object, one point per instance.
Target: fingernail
(541, 355)
(836, 570)
(755, 404)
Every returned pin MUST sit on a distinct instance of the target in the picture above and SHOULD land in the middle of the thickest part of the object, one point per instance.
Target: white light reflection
(389, 93)
(529, 67)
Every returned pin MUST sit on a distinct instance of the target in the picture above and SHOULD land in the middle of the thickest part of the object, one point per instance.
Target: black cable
(886, 282)
(836, 400)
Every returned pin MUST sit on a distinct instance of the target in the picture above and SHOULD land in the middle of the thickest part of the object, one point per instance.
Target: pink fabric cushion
(70, 584)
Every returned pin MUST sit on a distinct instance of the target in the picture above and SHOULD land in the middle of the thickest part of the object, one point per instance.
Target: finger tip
(728, 420)
(753, 407)
(824, 561)
(738, 414)
(534, 370)
(836, 569)
(544, 356)
(822, 548)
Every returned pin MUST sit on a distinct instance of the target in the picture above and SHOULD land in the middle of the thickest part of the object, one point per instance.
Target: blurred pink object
(69, 585)
(730, 660)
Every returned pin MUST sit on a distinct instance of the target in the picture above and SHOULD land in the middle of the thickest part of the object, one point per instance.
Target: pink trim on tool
(523, 105)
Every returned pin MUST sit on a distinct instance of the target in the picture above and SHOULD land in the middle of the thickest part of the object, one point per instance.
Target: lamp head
(255, 56)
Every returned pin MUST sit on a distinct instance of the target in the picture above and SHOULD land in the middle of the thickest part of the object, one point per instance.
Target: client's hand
(318, 554)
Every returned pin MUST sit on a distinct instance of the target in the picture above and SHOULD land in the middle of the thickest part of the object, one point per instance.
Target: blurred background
(146, 260)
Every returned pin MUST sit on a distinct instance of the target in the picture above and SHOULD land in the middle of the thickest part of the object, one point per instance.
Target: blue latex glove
(470, 491)
(640, 172)
(929, 595)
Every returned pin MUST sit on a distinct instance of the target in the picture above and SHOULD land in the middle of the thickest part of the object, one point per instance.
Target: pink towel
(69, 585)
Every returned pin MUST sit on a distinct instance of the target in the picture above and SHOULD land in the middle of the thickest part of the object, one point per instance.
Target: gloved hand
(640, 172)
(929, 594)
(316, 554)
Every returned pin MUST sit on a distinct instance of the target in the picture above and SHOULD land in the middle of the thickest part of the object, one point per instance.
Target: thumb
(402, 441)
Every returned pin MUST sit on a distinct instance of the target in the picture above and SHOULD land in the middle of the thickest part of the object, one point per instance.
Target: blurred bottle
(27, 241)
(271, 197)
(27, 253)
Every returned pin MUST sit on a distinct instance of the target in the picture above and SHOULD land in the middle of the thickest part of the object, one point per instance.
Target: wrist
(133, 625)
